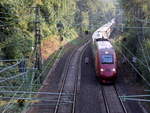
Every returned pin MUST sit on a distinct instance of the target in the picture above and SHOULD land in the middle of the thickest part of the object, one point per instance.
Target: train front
(107, 66)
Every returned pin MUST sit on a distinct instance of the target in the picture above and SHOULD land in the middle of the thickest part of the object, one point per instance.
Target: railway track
(61, 96)
(77, 85)
(70, 74)
(113, 104)
(65, 73)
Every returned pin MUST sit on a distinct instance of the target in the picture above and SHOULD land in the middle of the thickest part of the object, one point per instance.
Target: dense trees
(17, 22)
(59, 19)
(136, 30)
(15, 41)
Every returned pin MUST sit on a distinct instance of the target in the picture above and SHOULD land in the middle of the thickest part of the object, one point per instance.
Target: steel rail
(105, 100)
(75, 95)
(66, 69)
(65, 73)
(121, 102)
(77, 77)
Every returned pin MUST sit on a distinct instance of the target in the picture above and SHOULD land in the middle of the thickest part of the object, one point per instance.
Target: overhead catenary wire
(143, 53)
(135, 68)
(140, 43)
(9, 79)
(14, 96)
(13, 77)
(137, 18)
(10, 67)
(43, 93)
(11, 99)
(9, 104)
(58, 55)
(131, 54)
(136, 99)
(142, 62)
(33, 77)
(36, 98)
(129, 96)
(11, 60)
(147, 82)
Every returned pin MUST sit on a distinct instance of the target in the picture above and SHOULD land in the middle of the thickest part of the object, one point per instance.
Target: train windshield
(107, 59)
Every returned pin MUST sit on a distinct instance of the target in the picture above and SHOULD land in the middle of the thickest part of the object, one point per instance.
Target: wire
(12, 60)
(13, 77)
(142, 48)
(131, 53)
(12, 98)
(28, 92)
(47, 65)
(9, 67)
(8, 105)
(141, 20)
(147, 82)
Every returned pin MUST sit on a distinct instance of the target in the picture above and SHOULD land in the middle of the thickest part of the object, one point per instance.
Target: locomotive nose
(108, 73)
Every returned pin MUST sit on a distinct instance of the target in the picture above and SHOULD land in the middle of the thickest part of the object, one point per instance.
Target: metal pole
(38, 62)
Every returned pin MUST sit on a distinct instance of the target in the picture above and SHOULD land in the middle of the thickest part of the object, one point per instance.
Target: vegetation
(60, 20)
(17, 22)
(136, 31)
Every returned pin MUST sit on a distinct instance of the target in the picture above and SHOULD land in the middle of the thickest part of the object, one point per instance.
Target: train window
(98, 39)
(101, 39)
(107, 59)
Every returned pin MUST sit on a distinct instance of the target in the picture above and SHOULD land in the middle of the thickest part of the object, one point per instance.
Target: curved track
(65, 73)
(80, 91)
(65, 89)
(69, 83)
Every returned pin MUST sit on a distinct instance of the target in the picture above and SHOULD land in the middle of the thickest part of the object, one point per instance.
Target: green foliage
(75, 16)
(144, 55)
(7, 19)
(14, 40)
(138, 40)
(17, 29)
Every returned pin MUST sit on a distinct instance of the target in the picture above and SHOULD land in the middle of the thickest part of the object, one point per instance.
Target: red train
(105, 62)
(104, 56)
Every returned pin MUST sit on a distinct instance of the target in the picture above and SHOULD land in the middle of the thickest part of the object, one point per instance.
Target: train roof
(96, 35)
(105, 27)
(104, 45)
(99, 33)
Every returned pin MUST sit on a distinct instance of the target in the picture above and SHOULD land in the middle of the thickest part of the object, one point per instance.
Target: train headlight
(113, 69)
(106, 52)
(101, 69)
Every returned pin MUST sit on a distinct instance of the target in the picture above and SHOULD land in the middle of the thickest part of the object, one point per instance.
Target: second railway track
(60, 87)
(69, 84)
(113, 103)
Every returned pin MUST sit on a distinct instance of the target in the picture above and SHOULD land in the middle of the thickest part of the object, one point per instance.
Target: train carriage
(104, 53)
(105, 62)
